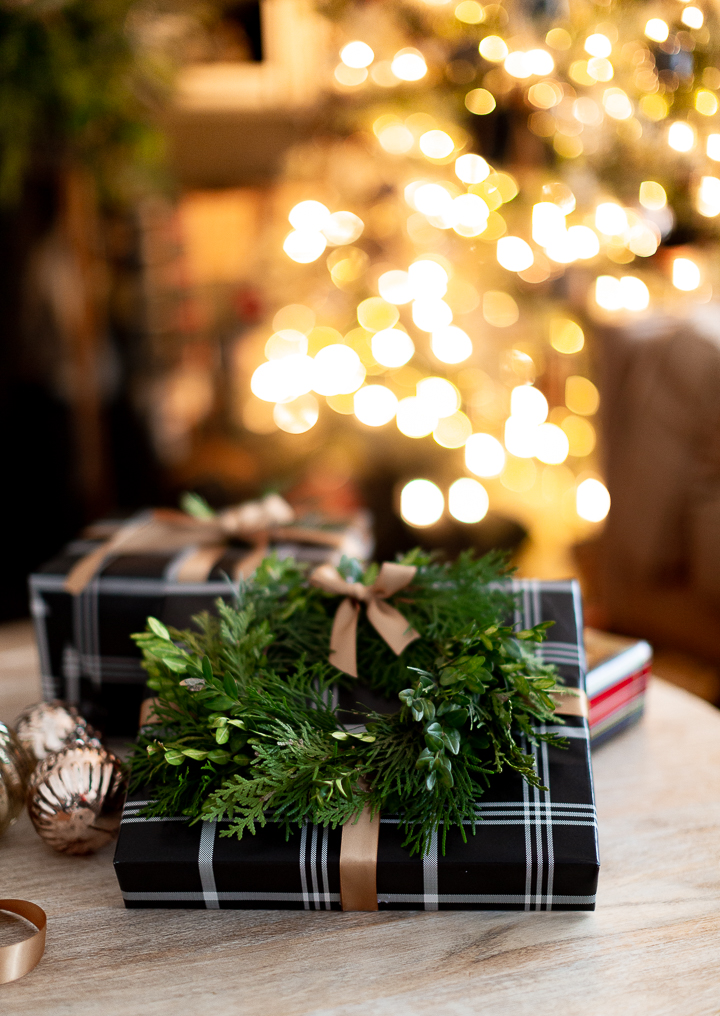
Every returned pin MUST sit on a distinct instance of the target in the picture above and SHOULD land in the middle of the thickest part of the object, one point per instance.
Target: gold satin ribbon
(168, 531)
(18, 959)
(386, 620)
(358, 862)
(570, 702)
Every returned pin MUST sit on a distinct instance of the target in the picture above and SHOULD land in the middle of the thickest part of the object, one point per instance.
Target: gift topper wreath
(244, 726)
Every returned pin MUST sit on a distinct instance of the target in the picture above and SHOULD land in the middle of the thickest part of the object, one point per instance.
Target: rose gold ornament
(76, 797)
(51, 726)
(15, 769)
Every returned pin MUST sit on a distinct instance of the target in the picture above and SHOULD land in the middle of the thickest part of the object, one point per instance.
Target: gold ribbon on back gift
(166, 531)
(18, 959)
(386, 620)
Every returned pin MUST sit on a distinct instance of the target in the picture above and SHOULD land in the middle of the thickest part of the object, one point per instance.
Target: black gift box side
(532, 849)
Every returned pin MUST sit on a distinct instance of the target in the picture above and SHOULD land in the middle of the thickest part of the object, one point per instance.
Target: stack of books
(617, 676)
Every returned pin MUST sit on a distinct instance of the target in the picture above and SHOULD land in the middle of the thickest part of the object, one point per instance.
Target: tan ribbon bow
(386, 620)
(169, 531)
(18, 959)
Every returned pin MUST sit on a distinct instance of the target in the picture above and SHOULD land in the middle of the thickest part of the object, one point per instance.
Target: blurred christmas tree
(484, 186)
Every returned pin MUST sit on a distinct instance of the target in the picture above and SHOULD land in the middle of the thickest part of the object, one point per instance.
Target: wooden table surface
(651, 948)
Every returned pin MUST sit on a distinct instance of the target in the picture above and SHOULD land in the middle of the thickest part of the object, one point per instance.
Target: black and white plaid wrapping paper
(532, 850)
(86, 655)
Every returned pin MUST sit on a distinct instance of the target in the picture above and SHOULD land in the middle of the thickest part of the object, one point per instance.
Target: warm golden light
(545, 94)
(634, 292)
(436, 144)
(375, 405)
(304, 246)
(415, 418)
(452, 431)
(706, 102)
(566, 336)
(392, 348)
(439, 395)
(551, 444)
(284, 379)
(409, 65)
(598, 45)
(607, 293)
(357, 54)
(470, 12)
(432, 199)
(431, 315)
(493, 49)
(611, 219)
(309, 216)
(599, 69)
(351, 77)
(548, 222)
(558, 38)
(708, 197)
(713, 147)
(469, 215)
(480, 102)
(499, 309)
(685, 274)
(343, 227)
(528, 405)
(395, 287)
(395, 138)
(617, 104)
(580, 434)
(652, 195)
(657, 30)
(338, 370)
(298, 416)
(584, 242)
(471, 168)
(295, 316)
(484, 455)
(692, 17)
(421, 503)
(451, 344)
(428, 279)
(520, 437)
(285, 342)
(514, 254)
(376, 314)
(592, 500)
(540, 62)
(581, 396)
(468, 500)
(517, 65)
(681, 136)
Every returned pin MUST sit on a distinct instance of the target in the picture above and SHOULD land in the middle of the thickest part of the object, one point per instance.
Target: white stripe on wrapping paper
(39, 611)
(324, 867)
(418, 898)
(165, 818)
(205, 865)
(303, 875)
(550, 841)
(430, 875)
(117, 585)
(528, 841)
(579, 628)
(313, 868)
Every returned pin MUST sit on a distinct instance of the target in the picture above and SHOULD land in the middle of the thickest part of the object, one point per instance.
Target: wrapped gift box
(532, 850)
(618, 672)
(86, 655)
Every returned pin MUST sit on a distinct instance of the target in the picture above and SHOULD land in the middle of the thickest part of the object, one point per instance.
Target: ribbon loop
(389, 623)
(18, 959)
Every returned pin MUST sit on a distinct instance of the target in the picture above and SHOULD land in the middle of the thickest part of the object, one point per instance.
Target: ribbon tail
(391, 625)
(358, 862)
(343, 639)
(18, 959)
(250, 564)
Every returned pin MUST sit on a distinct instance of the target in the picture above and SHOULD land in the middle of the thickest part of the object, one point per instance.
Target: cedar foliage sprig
(243, 740)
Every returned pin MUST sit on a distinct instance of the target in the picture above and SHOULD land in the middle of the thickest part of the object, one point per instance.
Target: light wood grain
(651, 948)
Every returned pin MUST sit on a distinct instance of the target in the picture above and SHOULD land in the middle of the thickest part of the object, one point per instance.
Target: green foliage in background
(73, 90)
(247, 733)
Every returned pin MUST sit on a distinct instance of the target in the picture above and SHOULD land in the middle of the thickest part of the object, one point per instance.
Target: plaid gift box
(86, 655)
(532, 850)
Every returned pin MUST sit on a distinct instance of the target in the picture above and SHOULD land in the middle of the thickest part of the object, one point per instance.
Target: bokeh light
(395, 287)
(375, 405)
(392, 348)
(452, 431)
(592, 500)
(468, 500)
(304, 246)
(409, 65)
(357, 54)
(581, 395)
(421, 503)
(338, 370)
(284, 379)
(309, 216)
(484, 455)
(415, 418)
(551, 444)
(514, 254)
(297, 416)
(451, 344)
(685, 274)
(528, 405)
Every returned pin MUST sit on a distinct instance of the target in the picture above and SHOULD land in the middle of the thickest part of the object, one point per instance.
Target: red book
(617, 675)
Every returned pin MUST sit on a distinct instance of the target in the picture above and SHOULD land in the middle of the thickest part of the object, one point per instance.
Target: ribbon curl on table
(18, 959)
(167, 531)
(386, 620)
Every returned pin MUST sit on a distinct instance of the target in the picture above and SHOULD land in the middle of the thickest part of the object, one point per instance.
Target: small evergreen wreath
(247, 733)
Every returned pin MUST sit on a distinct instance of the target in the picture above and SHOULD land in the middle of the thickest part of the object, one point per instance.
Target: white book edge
(609, 672)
